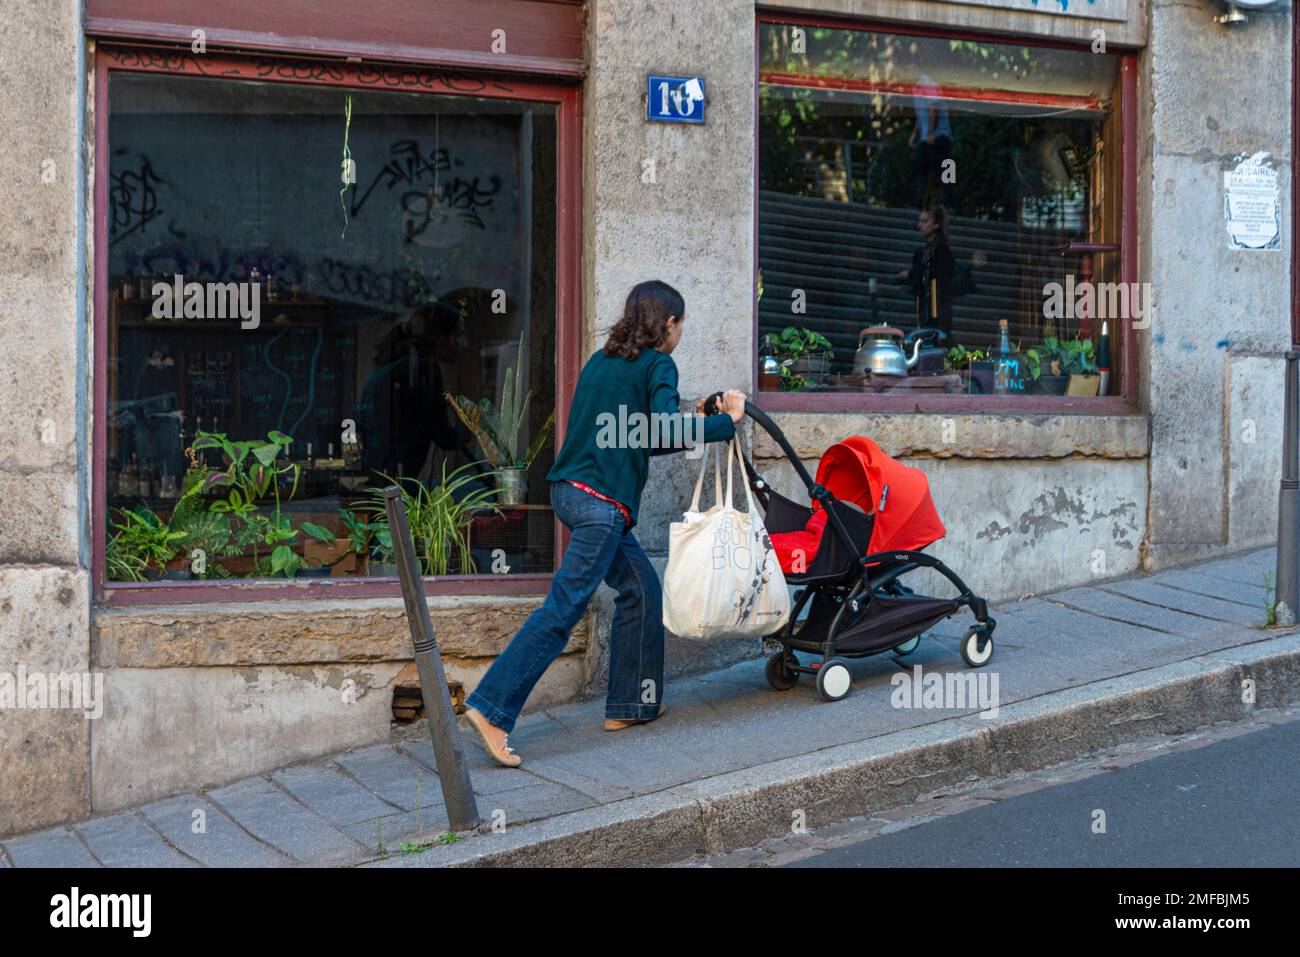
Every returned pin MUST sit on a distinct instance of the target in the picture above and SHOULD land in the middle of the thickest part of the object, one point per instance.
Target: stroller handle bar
(772, 429)
(818, 493)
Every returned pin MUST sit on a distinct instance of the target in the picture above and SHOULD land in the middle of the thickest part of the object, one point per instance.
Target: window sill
(240, 634)
(1016, 433)
(869, 403)
(116, 594)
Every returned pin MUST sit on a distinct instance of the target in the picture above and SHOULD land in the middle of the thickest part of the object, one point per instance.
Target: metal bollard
(453, 772)
(1288, 505)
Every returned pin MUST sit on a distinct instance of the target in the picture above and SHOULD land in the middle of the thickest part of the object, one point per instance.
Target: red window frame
(279, 68)
(1126, 403)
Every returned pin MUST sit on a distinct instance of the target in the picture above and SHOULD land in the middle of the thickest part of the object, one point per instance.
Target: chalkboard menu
(212, 384)
(291, 381)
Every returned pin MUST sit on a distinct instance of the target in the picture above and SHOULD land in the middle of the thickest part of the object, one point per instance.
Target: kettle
(880, 350)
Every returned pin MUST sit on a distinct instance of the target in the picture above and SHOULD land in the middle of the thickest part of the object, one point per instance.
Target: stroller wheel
(909, 646)
(779, 673)
(833, 679)
(971, 651)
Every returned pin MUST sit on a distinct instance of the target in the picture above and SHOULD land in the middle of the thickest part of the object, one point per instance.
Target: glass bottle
(1002, 367)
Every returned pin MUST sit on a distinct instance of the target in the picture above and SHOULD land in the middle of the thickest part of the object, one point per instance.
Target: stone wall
(44, 589)
(1212, 367)
(692, 226)
(1031, 503)
(202, 694)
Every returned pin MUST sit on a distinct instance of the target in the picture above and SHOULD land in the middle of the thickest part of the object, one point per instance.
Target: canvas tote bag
(723, 579)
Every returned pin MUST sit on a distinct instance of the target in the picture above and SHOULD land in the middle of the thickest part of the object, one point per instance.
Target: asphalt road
(1234, 803)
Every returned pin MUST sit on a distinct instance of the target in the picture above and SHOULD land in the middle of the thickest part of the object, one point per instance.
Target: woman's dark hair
(940, 217)
(645, 319)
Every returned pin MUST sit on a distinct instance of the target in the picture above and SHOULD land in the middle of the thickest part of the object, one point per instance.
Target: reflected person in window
(405, 410)
(596, 487)
(936, 278)
(932, 139)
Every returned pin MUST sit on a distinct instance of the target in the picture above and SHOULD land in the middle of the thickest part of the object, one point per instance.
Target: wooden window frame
(278, 68)
(829, 402)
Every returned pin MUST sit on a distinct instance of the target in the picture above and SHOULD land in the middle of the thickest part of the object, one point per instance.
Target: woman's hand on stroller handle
(731, 402)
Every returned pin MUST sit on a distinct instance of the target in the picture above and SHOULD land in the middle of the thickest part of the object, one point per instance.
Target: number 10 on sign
(675, 99)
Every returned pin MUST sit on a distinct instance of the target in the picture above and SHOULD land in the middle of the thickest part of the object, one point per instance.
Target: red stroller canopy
(898, 495)
(857, 471)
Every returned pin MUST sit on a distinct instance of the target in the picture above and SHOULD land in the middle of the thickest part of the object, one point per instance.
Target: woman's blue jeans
(599, 550)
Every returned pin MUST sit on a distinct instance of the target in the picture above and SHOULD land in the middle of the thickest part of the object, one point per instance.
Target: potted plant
(143, 544)
(335, 550)
(805, 356)
(252, 472)
(208, 535)
(974, 367)
(1044, 362)
(1077, 362)
(122, 561)
(439, 519)
(497, 430)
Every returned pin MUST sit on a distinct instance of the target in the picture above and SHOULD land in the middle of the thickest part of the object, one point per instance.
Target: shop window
(281, 343)
(918, 183)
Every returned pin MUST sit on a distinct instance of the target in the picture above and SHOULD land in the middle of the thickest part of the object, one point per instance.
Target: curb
(743, 808)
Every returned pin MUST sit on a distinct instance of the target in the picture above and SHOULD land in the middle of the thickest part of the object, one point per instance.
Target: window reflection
(367, 308)
(923, 183)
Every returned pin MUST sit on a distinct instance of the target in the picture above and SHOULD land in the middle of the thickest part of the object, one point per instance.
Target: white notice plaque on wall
(1250, 205)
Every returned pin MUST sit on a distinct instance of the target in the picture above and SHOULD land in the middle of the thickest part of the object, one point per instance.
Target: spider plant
(123, 563)
(439, 517)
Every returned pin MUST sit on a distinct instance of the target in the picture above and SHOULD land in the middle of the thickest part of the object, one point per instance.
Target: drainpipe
(1288, 506)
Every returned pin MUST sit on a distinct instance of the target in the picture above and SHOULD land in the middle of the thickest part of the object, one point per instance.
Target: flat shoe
(618, 724)
(503, 755)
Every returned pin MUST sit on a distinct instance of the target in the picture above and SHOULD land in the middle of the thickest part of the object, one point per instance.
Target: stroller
(869, 520)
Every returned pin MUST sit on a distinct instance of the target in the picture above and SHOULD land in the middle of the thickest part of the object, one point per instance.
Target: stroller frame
(858, 605)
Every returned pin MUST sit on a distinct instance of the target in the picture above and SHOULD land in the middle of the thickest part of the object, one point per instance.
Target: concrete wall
(44, 596)
(202, 694)
(1212, 356)
(1031, 503)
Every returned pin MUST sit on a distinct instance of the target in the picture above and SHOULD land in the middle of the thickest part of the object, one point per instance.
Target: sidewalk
(732, 760)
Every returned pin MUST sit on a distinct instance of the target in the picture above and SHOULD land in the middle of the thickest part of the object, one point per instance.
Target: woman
(596, 486)
(936, 278)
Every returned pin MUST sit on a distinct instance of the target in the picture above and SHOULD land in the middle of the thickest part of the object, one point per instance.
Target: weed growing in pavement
(1270, 593)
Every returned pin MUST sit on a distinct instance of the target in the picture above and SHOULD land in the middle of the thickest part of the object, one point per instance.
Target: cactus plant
(497, 428)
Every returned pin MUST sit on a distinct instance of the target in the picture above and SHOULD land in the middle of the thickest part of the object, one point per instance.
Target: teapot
(880, 350)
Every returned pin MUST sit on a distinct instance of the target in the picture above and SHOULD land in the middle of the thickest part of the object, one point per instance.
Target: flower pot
(338, 556)
(239, 566)
(178, 570)
(814, 368)
(979, 377)
(319, 571)
(1083, 385)
(512, 486)
(1051, 384)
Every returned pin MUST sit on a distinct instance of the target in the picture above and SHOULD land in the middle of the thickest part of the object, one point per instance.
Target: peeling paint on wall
(994, 531)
